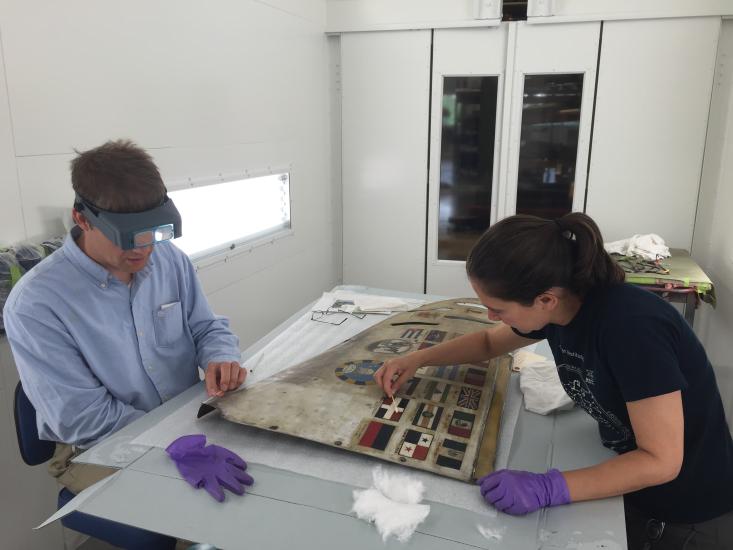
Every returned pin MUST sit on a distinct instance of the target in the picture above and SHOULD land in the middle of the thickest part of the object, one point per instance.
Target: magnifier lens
(143, 238)
(164, 233)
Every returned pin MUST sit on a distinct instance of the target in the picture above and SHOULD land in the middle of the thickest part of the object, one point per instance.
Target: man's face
(110, 256)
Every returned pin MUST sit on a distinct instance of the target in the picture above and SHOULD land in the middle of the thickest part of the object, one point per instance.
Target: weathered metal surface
(440, 421)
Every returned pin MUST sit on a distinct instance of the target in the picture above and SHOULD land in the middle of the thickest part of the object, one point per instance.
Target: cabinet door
(385, 90)
(466, 110)
(505, 145)
(550, 112)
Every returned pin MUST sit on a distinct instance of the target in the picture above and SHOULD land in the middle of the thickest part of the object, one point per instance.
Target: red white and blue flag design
(392, 409)
(469, 398)
(416, 445)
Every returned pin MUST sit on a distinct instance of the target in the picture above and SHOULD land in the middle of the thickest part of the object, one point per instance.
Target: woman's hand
(403, 368)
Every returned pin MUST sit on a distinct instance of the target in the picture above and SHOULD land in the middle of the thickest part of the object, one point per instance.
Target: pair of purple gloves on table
(215, 468)
(518, 493)
(209, 466)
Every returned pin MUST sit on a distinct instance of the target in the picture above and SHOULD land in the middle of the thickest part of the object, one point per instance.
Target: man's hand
(223, 377)
(403, 368)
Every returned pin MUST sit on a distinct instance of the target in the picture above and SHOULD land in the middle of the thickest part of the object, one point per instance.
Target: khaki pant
(644, 533)
(75, 477)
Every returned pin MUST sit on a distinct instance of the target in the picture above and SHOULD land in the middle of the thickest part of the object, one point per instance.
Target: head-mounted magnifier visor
(130, 230)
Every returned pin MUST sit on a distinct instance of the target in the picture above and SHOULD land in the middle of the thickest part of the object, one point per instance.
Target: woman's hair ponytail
(522, 256)
(593, 267)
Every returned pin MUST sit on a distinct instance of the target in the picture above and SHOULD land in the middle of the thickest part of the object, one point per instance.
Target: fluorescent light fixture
(225, 215)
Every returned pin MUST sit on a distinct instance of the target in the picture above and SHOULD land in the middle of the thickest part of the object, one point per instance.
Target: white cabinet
(447, 131)
(385, 91)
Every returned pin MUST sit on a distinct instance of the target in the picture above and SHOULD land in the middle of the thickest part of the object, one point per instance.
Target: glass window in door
(549, 144)
(466, 162)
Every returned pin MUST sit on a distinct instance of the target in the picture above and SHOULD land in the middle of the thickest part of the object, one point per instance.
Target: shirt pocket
(168, 324)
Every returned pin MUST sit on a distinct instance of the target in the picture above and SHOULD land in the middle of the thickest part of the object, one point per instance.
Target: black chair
(35, 451)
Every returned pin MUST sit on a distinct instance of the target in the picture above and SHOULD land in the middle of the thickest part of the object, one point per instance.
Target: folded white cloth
(356, 302)
(542, 389)
(650, 246)
(392, 504)
(525, 357)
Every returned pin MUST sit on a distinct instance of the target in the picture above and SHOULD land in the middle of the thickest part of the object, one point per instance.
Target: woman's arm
(471, 348)
(658, 425)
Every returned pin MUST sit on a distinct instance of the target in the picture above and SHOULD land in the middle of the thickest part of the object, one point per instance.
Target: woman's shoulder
(626, 301)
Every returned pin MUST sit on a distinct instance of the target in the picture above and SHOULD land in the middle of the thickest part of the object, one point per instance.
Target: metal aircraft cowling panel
(438, 421)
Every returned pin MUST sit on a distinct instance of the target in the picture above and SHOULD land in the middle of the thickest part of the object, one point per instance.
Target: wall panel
(386, 78)
(209, 89)
(11, 216)
(712, 245)
(654, 84)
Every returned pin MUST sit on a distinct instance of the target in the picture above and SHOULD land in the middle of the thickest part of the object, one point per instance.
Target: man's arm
(214, 341)
(72, 406)
(217, 348)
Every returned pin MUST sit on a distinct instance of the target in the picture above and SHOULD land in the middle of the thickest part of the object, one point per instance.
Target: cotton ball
(390, 517)
(398, 486)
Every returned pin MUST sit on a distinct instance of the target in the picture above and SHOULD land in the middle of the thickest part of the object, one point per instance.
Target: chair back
(33, 451)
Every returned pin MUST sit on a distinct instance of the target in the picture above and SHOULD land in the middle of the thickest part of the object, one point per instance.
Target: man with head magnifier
(115, 322)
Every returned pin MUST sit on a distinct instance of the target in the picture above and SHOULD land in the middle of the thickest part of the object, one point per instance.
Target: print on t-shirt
(578, 382)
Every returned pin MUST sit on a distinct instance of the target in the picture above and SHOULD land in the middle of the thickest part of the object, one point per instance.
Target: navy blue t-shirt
(627, 344)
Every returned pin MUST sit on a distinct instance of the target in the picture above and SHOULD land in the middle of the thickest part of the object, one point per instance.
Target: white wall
(652, 104)
(382, 15)
(713, 240)
(207, 88)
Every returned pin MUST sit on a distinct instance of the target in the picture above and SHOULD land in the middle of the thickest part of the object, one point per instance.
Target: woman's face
(523, 318)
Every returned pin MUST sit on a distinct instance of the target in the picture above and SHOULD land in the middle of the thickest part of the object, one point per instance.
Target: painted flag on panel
(461, 424)
(416, 445)
(376, 435)
(436, 391)
(435, 336)
(450, 454)
(412, 333)
(428, 416)
(410, 386)
(392, 409)
(475, 377)
(450, 372)
(469, 398)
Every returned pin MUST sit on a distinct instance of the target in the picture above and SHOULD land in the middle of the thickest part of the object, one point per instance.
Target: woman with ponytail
(625, 356)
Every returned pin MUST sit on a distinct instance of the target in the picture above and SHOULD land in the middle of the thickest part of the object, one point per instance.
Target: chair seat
(117, 534)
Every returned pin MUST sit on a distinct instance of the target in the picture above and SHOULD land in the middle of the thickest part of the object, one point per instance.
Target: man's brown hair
(118, 176)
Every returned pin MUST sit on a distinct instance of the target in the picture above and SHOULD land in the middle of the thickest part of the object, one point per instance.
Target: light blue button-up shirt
(94, 354)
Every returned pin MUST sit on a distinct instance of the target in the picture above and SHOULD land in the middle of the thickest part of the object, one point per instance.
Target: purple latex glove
(518, 493)
(211, 467)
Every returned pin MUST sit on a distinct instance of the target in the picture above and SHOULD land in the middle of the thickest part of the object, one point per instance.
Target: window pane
(222, 215)
(466, 162)
(549, 144)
